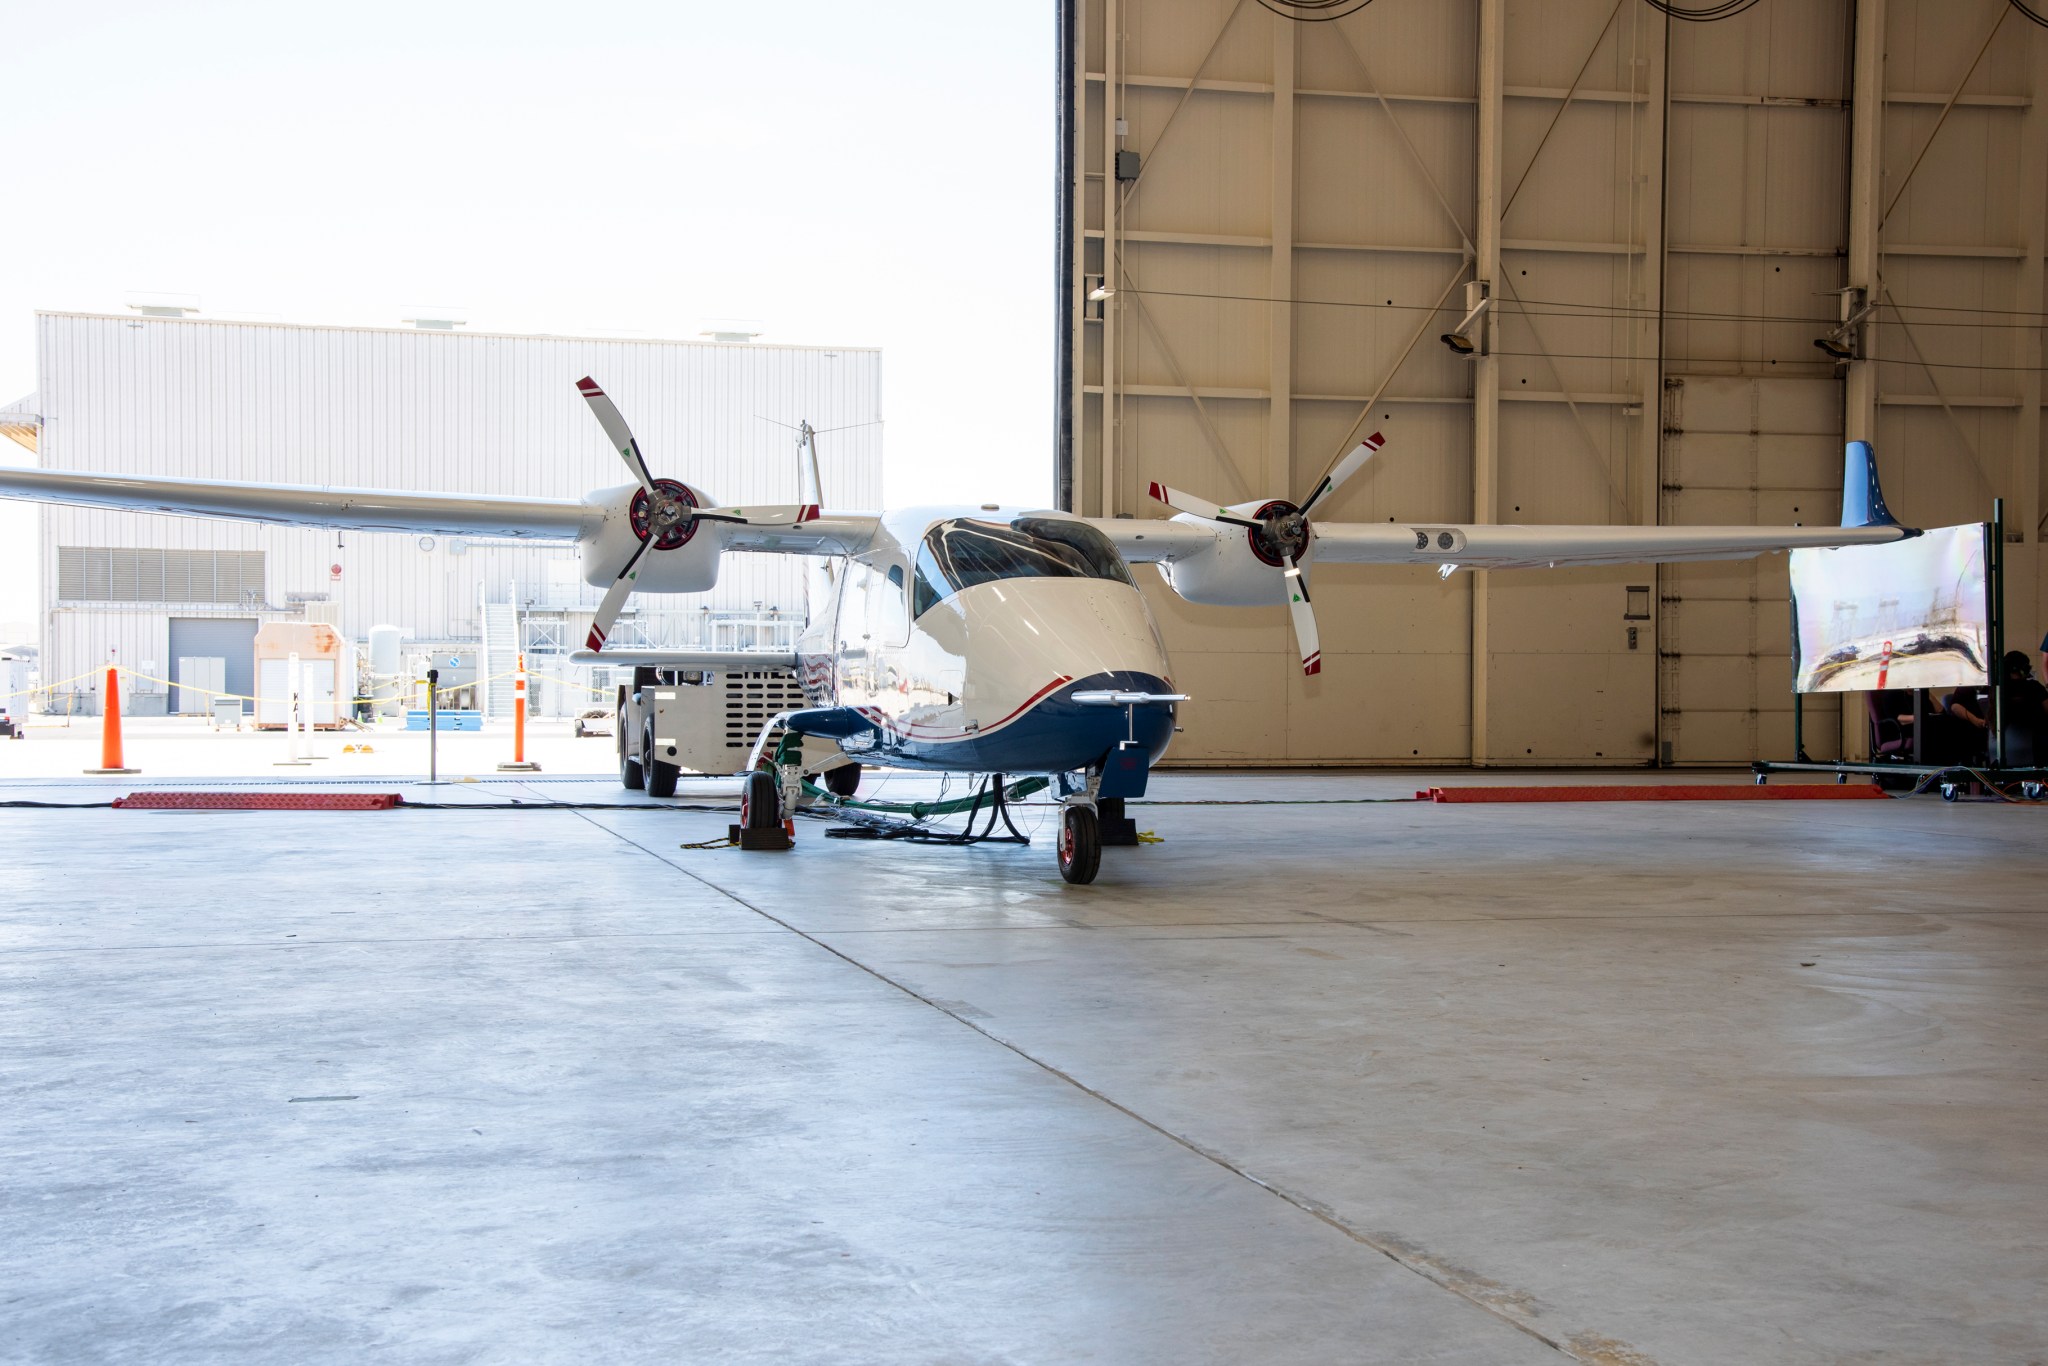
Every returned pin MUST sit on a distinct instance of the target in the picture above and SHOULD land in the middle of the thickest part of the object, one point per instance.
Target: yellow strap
(416, 695)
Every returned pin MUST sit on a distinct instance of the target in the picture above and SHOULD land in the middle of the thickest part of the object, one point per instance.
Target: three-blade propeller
(1281, 535)
(664, 512)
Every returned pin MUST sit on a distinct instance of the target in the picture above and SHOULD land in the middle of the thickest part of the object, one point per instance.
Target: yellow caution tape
(416, 696)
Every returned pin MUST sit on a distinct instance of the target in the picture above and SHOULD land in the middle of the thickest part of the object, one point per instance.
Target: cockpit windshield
(965, 552)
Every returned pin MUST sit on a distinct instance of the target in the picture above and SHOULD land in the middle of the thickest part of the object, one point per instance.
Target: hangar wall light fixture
(1469, 337)
(1845, 343)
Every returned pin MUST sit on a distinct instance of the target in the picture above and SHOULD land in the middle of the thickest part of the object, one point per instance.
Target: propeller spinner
(1280, 534)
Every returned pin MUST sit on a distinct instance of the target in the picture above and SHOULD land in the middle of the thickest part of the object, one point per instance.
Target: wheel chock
(772, 838)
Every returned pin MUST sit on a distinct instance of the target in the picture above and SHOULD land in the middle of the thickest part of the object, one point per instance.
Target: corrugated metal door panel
(1741, 451)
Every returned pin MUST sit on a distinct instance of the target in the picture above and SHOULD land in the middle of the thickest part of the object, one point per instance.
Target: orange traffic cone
(110, 728)
(519, 764)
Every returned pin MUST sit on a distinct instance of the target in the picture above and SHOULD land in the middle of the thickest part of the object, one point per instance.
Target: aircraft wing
(450, 514)
(1541, 547)
(1865, 521)
(1151, 541)
(716, 660)
(829, 534)
(1494, 547)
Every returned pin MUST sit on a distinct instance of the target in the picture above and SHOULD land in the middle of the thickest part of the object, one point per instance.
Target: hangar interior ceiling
(1665, 215)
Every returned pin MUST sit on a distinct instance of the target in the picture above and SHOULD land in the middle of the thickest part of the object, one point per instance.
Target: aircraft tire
(843, 781)
(659, 777)
(760, 802)
(629, 764)
(1080, 845)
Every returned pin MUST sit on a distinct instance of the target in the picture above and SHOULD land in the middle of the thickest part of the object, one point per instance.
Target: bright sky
(858, 174)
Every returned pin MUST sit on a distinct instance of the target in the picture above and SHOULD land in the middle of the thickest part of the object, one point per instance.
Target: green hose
(1016, 791)
(789, 750)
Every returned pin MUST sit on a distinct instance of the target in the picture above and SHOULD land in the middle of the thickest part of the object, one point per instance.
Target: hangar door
(1741, 451)
(231, 639)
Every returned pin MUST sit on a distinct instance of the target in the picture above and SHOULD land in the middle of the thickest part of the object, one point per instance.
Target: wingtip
(1157, 492)
(588, 388)
(1313, 664)
(594, 641)
(1375, 441)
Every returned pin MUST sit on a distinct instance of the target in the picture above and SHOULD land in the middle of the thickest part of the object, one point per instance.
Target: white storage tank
(384, 651)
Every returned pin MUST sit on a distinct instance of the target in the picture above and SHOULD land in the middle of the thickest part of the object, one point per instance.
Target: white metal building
(398, 408)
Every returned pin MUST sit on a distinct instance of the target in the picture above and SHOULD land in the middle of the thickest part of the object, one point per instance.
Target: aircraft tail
(1862, 499)
(811, 488)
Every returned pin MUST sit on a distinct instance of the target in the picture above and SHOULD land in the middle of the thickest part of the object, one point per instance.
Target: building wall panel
(451, 411)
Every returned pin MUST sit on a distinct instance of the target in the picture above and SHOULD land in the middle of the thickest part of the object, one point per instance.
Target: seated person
(1949, 734)
(1893, 721)
(2026, 711)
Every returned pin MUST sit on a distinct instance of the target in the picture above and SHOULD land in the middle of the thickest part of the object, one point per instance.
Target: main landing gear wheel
(1080, 846)
(760, 802)
(659, 777)
(843, 781)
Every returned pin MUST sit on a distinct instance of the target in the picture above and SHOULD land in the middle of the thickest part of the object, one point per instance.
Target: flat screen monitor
(1909, 614)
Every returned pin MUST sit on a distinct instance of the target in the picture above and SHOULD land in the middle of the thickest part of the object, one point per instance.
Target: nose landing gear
(761, 815)
(1080, 843)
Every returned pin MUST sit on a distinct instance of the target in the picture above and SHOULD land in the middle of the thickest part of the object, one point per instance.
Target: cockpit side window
(1094, 552)
(964, 552)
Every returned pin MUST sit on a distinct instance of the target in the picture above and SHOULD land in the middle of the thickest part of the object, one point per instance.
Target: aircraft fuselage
(956, 640)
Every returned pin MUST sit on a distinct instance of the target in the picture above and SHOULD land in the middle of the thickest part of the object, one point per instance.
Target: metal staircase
(500, 658)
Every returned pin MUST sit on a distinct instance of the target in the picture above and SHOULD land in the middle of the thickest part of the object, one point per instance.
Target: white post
(294, 682)
(297, 716)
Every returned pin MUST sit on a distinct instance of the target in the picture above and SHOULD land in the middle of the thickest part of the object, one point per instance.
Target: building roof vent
(435, 317)
(731, 329)
(152, 305)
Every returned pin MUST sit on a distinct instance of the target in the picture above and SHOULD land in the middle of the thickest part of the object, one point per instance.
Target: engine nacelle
(1227, 574)
(683, 561)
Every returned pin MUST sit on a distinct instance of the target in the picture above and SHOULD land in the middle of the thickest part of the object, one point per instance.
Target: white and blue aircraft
(987, 640)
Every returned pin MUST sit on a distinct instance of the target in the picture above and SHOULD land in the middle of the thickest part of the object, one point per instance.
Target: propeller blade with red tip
(1348, 466)
(1199, 507)
(614, 600)
(1303, 616)
(616, 431)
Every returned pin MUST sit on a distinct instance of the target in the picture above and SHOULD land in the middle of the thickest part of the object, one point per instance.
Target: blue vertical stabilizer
(1862, 499)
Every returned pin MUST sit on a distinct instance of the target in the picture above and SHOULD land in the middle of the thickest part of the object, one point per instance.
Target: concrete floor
(1380, 1082)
